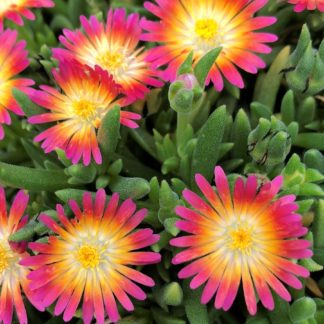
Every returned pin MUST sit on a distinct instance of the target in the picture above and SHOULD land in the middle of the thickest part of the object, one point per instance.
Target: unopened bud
(184, 93)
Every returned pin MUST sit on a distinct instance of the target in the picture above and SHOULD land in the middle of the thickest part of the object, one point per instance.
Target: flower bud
(184, 93)
(302, 310)
(189, 80)
(171, 294)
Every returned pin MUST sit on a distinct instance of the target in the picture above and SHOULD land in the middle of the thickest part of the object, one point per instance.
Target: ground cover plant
(161, 161)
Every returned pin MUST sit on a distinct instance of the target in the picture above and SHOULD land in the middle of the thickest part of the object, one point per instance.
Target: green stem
(182, 121)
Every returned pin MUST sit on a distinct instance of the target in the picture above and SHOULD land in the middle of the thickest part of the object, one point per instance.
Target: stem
(183, 119)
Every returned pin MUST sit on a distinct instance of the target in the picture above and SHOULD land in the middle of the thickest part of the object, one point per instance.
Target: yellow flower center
(84, 108)
(4, 258)
(88, 256)
(207, 29)
(111, 61)
(241, 239)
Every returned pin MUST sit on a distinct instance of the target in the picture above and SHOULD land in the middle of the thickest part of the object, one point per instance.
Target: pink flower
(301, 5)
(247, 237)
(200, 26)
(13, 276)
(14, 9)
(88, 94)
(113, 47)
(89, 261)
(13, 60)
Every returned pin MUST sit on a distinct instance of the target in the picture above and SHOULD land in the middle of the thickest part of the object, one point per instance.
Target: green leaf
(109, 132)
(35, 153)
(204, 65)
(163, 241)
(306, 111)
(304, 205)
(288, 108)
(280, 314)
(314, 159)
(257, 319)
(154, 193)
(29, 108)
(170, 226)
(196, 311)
(318, 230)
(267, 92)
(240, 132)
(206, 152)
(168, 198)
(310, 141)
(145, 140)
(294, 172)
(311, 189)
(313, 175)
(186, 66)
(311, 265)
(32, 179)
(170, 165)
(135, 188)
(72, 194)
(260, 110)
(82, 173)
(24, 234)
(303, 41)
(60, 22)
(162, 317)
(116, 167)
(293, 129)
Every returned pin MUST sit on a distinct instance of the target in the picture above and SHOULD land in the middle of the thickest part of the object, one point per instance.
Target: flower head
(13, 276)
(13, 60)
(88, 94)
(301, 5)
(90, 259)
(200, 26)
(113, 47)
(14, 9)
(243, 237)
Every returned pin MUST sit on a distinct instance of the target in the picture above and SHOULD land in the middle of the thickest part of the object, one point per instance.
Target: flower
(14, 9)
(90, 258)
(88, 95)
(13, 60)
(113, 47)
(200, 26)
(13, 276)
(301, 5)
(243, 237)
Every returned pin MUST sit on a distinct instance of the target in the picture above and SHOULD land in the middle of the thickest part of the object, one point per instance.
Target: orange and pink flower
(88, 94)
(13, 276)
(90, 259)
(200, 26)
(13, 60)
(246, 236)
(16, 9)
(113, 47)
(301, 5)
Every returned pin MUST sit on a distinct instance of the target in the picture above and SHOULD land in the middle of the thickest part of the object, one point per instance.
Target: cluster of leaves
(274, 126)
